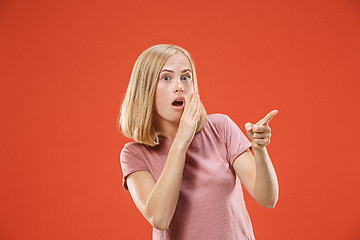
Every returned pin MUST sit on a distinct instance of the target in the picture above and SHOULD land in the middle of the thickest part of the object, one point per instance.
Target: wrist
(179, 145)
(259, 149)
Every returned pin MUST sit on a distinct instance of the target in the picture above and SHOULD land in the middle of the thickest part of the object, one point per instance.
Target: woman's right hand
(157, 200)
(189, 119)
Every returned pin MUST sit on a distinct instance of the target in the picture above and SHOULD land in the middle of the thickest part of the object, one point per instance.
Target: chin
(171, 118)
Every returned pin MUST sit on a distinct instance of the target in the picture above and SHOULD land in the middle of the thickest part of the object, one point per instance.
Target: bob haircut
(137, 109)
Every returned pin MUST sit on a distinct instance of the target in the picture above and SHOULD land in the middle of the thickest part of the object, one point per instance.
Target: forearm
(266, 189)
(162, 201)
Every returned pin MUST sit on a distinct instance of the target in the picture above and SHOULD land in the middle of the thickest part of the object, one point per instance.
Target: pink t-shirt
(211, 203)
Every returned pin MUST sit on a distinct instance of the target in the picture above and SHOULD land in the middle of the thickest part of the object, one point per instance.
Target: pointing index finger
(268, 117)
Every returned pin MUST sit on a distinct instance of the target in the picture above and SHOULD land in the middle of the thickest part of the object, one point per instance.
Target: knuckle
(259, 129)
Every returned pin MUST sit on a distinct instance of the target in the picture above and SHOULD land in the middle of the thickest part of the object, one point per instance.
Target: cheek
(159, 98)
(189, 87)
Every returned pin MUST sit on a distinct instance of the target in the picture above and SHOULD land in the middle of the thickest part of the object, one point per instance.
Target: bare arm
(157, 200)
(257, 174)
(258, 177)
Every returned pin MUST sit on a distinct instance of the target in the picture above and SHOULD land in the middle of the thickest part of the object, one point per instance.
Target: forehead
(177, 60)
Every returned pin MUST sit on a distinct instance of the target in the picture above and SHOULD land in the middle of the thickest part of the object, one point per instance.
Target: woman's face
(174, 84)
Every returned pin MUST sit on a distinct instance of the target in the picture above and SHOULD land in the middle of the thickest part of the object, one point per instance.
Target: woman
(185, 170)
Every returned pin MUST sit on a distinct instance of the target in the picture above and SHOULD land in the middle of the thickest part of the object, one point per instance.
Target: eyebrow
(167, 70)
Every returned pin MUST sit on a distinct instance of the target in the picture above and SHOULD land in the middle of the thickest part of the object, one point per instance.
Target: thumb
(249, 126)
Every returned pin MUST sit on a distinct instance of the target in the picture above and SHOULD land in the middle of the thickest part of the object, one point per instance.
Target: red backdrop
(64, 69)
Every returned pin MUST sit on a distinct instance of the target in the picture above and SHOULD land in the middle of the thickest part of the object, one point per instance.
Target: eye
(186, 77)
(166, 78)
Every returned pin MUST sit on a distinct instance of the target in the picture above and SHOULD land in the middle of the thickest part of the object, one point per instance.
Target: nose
(179, 87)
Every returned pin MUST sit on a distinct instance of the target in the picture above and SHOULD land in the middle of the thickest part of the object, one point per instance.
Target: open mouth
(178, 103)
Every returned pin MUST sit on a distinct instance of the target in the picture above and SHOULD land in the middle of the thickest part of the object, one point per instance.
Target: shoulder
(137, 150)
(132, 150)
(130, 146)
(223, 124)
(218, 120)
(135, 146)
(216, 123)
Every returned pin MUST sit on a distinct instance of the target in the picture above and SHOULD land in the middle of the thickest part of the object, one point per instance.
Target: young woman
(184, 170)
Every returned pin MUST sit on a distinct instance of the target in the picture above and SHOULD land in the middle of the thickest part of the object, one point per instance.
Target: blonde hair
(136, 113)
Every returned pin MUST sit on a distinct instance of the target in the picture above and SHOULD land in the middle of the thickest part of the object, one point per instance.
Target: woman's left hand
(260, 132)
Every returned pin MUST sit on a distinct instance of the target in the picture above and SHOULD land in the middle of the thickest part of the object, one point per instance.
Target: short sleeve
(235, 140)
(131, 161)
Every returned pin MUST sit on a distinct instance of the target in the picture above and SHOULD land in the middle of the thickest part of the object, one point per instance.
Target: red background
(64, 69)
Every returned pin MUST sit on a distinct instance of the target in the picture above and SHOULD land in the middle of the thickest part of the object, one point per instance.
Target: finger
(196, 108)
(198, 111)
(188, 102)
(193, 102)
(262, 142)
(249, 126)
(261, 135)
(189, 97)
(198, 103)
(192, 105)
(268, 117)
(261, 128)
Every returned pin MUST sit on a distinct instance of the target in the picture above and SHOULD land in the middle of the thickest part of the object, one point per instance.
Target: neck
(166, 129)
